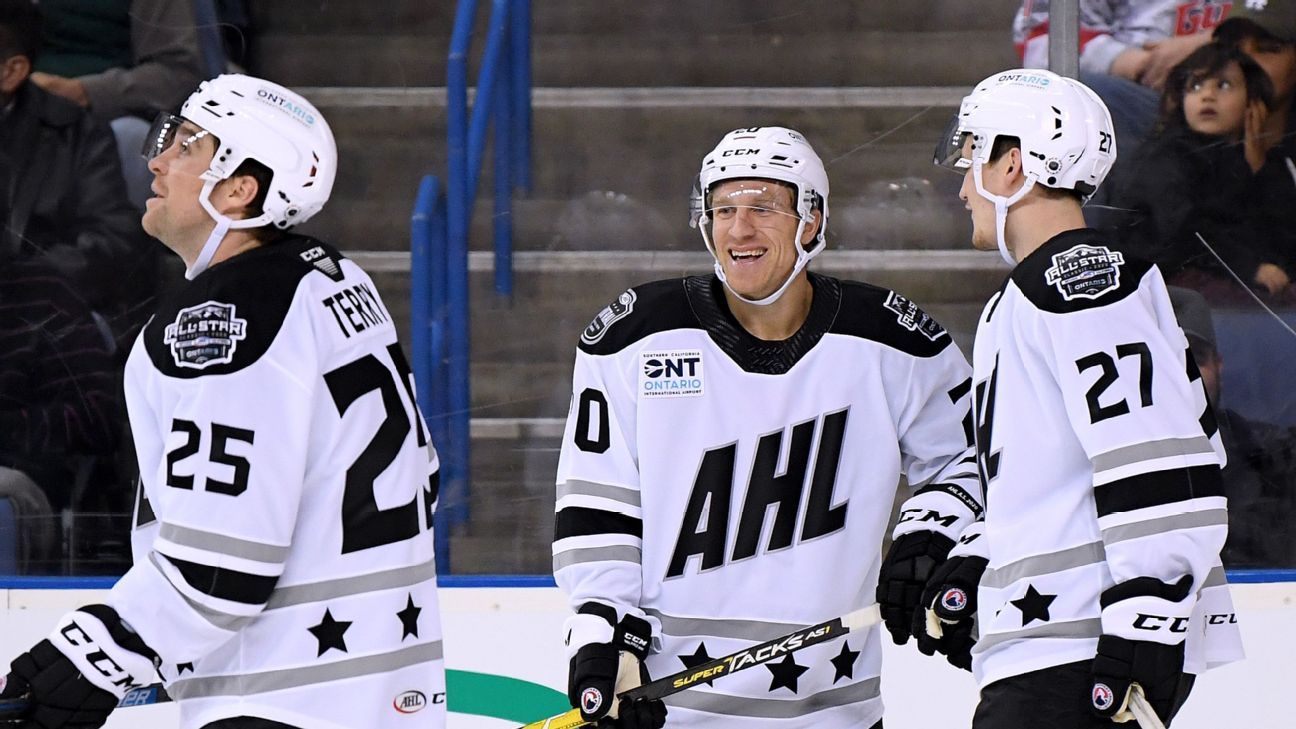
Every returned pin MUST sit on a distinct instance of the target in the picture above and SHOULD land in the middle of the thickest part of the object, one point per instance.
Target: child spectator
(1203, 172)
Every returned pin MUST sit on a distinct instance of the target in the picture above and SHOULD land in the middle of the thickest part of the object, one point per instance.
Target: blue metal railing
(440, 226)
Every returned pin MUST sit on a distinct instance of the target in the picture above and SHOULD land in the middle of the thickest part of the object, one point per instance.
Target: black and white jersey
(283, 547)
(1100, 461)
(730, 490)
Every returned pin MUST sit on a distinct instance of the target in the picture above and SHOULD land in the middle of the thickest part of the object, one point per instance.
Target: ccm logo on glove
(96, 658)
(1157, 622)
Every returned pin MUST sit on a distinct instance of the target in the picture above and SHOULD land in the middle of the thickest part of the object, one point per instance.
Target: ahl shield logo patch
(909, 316)
(618, 309)
(205, 335)
(1085, 272)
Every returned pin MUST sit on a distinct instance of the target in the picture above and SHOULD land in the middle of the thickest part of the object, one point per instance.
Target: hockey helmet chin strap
(1001, 204)
(803, 258)
(224, 224)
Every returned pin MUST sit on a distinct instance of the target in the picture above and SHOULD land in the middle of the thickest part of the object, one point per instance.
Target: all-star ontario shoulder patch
(909, 316)
(204, 335)
(1085, 271)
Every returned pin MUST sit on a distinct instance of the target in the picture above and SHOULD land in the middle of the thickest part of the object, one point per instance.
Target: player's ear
(1013, 169)
(812, 228)
(236, 194)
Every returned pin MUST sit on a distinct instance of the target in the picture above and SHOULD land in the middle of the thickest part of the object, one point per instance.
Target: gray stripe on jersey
(1189, 520)
(756, 630)
(218, 619)
(744, 706)
(255, 683)
(616, 553)
(347, 586)
(1215, 578)
(1044, 564)
(1087, 628)
(221, 544)
(602, 490)
(1151, 450)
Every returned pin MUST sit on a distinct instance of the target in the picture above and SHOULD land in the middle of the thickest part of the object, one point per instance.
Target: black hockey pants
(1056, 698)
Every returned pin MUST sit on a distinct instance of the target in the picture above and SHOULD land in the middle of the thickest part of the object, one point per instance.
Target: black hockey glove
(1121, 664)
(944, 620)
(74, 678)
(610, 661)
(908, 566)
(1132, 610)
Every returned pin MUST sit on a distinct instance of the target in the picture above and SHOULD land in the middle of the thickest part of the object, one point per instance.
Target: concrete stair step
(318, 17)
(522, 349)
(703, 57)
(617, 176)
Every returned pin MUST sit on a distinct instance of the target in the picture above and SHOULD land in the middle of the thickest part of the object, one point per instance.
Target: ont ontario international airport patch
(909, 316)
(677, 373)
(1085, 272)
(618, 309)
(205, 335)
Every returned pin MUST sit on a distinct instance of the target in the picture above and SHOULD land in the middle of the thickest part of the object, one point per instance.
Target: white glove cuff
(86, 641)
(1148, 618)
(583, 629)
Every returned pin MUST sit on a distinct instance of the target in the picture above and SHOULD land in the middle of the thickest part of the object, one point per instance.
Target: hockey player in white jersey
(1096, 567)
(284, 573)
(732, 453)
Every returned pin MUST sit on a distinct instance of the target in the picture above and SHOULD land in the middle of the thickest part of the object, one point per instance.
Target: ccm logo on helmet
(738, 152)
(287, 105)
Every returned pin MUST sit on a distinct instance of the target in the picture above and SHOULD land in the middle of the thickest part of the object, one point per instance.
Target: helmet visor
(163, 133)
(951, 151)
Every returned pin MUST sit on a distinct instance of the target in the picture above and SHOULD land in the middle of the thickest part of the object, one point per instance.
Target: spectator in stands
(124, 60)
(1200, 175)
(1260, 477)
(63, 199)
(58, 389)
(1268, 35)
(1126, 51)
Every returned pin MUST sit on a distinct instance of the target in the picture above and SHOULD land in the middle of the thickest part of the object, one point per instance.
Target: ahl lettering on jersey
(205, 335)
(671, 374)
(704, 532)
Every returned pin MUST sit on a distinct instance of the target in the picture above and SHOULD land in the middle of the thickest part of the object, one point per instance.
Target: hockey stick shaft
(1143, 712)
(11, 709)
(858, 620)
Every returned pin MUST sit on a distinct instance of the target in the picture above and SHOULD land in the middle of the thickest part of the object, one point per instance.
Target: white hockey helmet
(768, 153)
(1065, 131)
(263, 121)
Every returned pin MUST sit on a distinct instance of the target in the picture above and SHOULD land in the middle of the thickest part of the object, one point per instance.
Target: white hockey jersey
(283, 547)
(1110, 27)
(731, 490)
(1100, 460)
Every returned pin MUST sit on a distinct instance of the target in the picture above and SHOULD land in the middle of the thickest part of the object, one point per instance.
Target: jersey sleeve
(1140, 413)
(228, 477)
(598, 524)
(935, 429)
